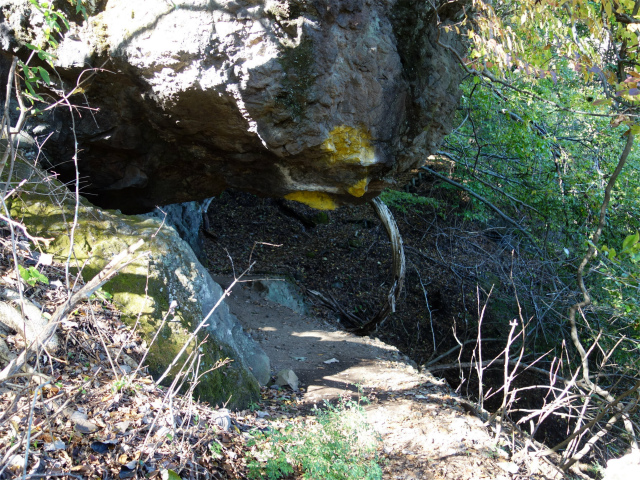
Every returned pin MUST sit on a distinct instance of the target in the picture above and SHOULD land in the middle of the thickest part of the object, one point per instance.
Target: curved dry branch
(586, 298)
(27, 323)
(398, 268)
(354, 323)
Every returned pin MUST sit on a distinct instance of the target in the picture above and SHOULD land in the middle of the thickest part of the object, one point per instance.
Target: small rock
(53, 446)
(82, 423)
(126, 369)
(100, 447)
(121, 427)
(162, 432)
(15, 462)
(287, 377)
(43, 258)
(126, 472)
(331, 360)
(222, 419)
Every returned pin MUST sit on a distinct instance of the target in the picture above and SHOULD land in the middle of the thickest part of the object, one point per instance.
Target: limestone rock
(171, 272)
(287, 377)
(186, 218)
(318, 101)
(282, 292)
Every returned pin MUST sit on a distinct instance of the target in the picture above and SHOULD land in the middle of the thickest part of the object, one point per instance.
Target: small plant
(216, 450)
(595, 469)
(338, 444)
(123, 385)
(101, 295)
(358, 309)
(32, 276)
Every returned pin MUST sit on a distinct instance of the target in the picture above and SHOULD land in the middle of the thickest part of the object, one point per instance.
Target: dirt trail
(428, 432)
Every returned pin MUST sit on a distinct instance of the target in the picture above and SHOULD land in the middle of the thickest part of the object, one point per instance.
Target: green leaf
(45, 75)
(630, 241)
(33, 92)
(32, 276)
(23, 273)
(62, 18)
(46, 56)
(167, 474)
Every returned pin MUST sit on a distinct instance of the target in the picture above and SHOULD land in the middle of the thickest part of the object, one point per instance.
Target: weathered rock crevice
(317, 101)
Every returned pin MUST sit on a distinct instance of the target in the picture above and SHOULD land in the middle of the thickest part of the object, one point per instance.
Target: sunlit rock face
(318, 101)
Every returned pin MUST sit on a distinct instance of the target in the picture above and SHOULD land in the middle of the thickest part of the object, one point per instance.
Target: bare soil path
(428, 432)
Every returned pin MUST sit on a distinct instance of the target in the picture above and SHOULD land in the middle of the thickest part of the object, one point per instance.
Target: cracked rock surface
(318, 101)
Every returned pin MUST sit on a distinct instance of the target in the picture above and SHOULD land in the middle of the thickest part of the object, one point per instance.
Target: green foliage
(620, 272)
(32, 276)
(55, 22)
(547, 170)
(338, 445)
(538, 38)
(216, 450)
(405, 201)
(124, 385)
(80, 8)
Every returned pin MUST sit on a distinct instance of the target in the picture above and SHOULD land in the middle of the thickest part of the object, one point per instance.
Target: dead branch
(500, 213)
(398, 269)
(29, 322)
(586, 298)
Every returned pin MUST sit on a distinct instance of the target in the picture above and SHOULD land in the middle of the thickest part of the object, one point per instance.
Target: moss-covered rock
(145, 289)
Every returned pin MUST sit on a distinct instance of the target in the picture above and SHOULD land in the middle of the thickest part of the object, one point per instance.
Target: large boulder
(318, 101)
(145, 289)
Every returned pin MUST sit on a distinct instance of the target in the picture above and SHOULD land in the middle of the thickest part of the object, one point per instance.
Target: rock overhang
(314, 101)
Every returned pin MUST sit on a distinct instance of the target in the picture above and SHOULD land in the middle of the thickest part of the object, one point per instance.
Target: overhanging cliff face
(319, 101)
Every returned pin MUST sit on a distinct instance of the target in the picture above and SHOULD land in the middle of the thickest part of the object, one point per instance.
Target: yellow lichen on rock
(349, 145)
(358, 189)
(317, 200)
